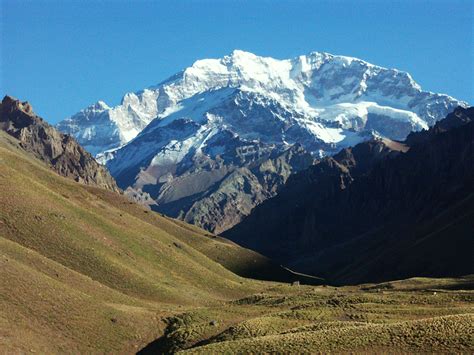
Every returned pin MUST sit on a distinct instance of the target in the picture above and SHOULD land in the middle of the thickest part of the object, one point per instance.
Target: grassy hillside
(84, 270)
(92, 269)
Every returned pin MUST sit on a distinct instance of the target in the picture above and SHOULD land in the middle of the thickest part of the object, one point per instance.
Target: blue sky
(62, 55)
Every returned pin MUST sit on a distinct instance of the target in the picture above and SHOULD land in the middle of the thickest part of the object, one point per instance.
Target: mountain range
(217, 139)
(98, 273)
(378, 211)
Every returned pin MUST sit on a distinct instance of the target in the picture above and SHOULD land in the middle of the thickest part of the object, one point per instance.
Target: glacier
(318, 90)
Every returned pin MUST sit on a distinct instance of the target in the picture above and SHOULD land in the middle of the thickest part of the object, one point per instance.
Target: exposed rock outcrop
(58, 150)
(217, 194)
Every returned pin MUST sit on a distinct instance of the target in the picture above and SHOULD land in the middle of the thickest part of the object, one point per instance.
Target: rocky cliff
(58, 150)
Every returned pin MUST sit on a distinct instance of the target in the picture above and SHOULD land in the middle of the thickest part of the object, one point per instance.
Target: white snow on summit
(311, 99)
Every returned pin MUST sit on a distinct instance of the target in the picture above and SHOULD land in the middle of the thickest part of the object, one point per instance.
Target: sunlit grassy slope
(83, 270)
(94, 271)
(409, 316)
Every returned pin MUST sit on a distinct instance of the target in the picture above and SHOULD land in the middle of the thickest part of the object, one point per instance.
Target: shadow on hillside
(157, 346)
(270, 271)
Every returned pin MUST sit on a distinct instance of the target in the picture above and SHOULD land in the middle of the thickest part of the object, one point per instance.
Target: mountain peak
(327, 95)
(239, 53)
(221, 122)
(99, 106)
(11, 103)
(61, 152)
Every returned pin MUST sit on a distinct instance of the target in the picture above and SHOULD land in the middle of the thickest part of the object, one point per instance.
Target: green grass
(323, 319)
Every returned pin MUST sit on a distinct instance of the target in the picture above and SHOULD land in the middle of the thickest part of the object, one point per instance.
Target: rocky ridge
(60, 151)
(380, 210)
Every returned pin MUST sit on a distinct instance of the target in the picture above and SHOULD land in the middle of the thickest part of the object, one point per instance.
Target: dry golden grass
(408, 318)
(87, 268)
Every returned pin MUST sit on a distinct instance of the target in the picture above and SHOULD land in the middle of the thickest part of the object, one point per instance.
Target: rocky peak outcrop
(58, 150)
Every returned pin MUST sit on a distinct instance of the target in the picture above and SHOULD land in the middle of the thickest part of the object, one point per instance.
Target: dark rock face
(232, 198)
(287, 216)
(58, 150)
(381, 210)
(211, 190)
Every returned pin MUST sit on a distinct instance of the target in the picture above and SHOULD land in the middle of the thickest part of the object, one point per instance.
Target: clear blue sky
(62, 55)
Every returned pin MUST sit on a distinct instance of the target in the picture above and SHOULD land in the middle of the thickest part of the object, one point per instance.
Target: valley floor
(414, 315)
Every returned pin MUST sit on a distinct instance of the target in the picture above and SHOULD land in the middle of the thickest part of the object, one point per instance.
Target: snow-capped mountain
(100, 128)
(327, 96)
(222, 132)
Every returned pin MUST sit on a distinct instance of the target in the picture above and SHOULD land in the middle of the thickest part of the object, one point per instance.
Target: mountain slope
(212, 192)
(407, 214)
(84, 270)
(59, 151)
(219, 121)
(97, 273)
